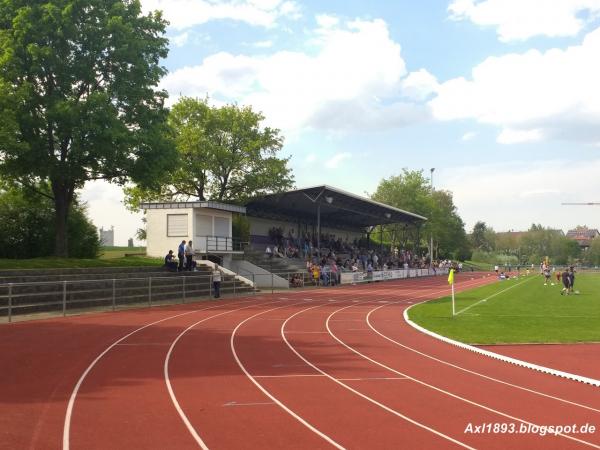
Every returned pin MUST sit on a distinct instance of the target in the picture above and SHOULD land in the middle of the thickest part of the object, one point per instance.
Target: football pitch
(518, 310)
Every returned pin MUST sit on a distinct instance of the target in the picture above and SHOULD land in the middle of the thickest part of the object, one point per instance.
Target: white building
(107, 237)
(206, 223)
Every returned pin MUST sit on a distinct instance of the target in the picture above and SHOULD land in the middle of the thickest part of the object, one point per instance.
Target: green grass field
(517, 311)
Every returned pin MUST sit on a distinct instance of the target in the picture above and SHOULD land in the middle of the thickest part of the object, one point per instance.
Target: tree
(27, 228)
(411, 191)
(482, 237)
(79, 98)
(224, 155)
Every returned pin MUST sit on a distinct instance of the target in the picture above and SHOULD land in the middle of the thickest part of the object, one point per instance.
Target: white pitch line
(491, 296)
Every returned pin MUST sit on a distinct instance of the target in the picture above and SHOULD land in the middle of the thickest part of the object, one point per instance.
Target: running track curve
(328, 368)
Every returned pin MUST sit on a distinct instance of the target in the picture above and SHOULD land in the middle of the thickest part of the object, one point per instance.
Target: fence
(68, 297)
(108, 294)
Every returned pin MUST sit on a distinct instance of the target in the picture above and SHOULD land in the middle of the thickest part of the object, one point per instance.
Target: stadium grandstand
(297, 230)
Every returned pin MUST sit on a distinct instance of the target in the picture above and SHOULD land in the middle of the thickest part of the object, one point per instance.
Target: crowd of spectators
(339, 255)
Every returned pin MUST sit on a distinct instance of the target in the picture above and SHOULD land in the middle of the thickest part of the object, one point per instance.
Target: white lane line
(293, 375)
(307, 332)
(267, 393)
(248, 404)
(141, 344)
(373, 379)
(491, 296)
(487, 377)
(360, 394)
(442, 391)
(71, 404)
(178, 408)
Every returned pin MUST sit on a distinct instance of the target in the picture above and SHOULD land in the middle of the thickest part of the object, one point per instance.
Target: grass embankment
(109, 257)
(527, 312)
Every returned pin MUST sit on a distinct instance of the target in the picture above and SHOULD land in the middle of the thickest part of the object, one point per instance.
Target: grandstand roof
(339, 209)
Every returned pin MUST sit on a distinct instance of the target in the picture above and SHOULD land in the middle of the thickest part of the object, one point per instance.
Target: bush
(27, 227)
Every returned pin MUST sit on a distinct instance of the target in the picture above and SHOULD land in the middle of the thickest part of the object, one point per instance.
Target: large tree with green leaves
(224, 154)
(412, 192)
(79, 98)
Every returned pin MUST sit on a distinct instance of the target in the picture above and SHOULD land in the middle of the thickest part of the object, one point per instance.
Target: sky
(501, 97)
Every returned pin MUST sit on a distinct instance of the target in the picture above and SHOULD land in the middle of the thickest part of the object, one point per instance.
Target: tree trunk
(63, 197)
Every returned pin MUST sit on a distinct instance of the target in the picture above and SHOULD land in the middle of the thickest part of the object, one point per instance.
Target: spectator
(268, 252)
(181, 255)
(170, 262)
(216, 280)
(189, 255)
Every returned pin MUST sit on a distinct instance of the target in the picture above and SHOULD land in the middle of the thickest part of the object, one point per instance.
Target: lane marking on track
(307, 332)
(178, 408)
(267, 393)
(229, 404)
(472, 372)
(293, 375)
(465, 370)
(72, 398)
(442, 390)
(138, 344)
(373, 379)
(360, 394)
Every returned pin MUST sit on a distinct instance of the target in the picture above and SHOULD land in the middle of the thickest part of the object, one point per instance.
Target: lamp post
(431, 233)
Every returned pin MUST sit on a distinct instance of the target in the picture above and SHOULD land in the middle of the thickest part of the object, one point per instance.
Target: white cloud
(351, 79)
(183, 14)
(311, 157)
(516, 194)
(337, 159)
(469, 135)
(419, 85)
(509, 136)
(327, 21)
(531, 96)
(523, 19)
(263, 44)
(181, 39)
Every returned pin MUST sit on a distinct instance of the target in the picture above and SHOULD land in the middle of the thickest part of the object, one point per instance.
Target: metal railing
(221, 244)
(63, 297)
(76, 296)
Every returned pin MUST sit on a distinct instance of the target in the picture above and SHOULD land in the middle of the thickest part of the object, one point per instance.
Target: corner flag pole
(451, 283)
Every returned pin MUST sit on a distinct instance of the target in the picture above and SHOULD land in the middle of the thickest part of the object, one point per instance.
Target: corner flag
(451, 276)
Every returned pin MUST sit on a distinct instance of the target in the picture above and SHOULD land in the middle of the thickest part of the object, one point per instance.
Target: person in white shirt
(189, 254)
(216, 279)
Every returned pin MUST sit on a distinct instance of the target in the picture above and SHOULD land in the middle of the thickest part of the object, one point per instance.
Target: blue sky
(500, 96)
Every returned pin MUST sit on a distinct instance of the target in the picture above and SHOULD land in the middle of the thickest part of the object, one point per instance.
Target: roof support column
(319, 230)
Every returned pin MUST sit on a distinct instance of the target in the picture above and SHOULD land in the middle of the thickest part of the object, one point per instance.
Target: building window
(177, 225)
(221, 226)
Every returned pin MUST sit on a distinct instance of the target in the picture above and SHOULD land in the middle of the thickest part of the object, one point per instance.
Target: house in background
(583, 235)
(107, 237)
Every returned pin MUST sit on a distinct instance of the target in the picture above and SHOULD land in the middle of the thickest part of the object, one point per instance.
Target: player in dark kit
(566, 279)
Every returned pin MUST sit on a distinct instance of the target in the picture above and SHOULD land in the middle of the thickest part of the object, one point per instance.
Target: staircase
(69, 290)
(274, 264)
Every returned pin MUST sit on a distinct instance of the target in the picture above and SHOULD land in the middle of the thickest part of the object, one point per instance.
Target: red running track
(311, 369)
